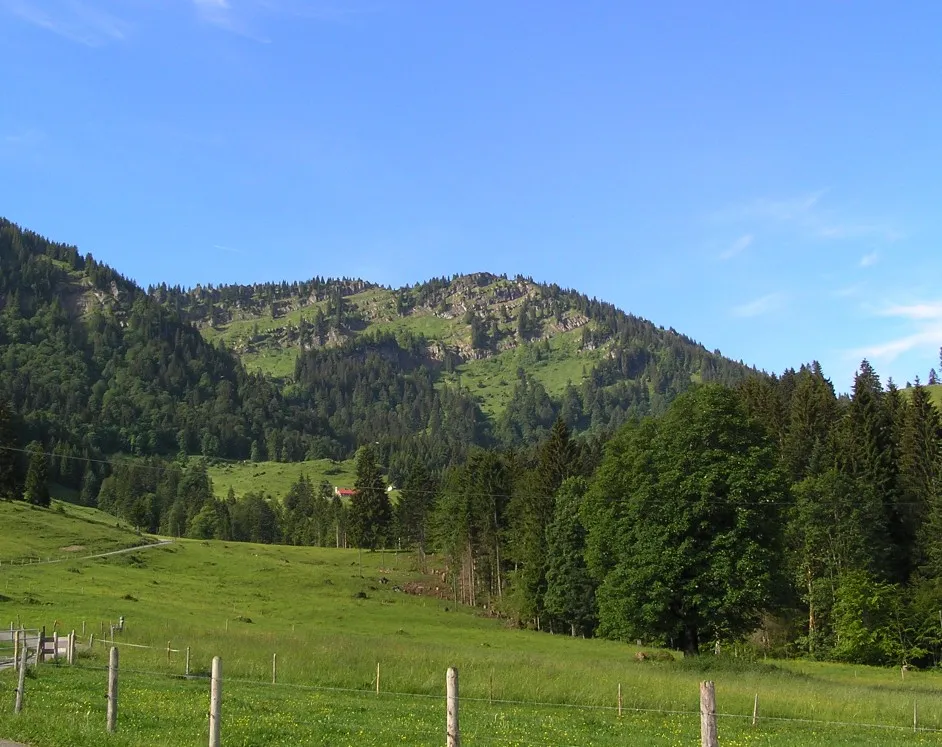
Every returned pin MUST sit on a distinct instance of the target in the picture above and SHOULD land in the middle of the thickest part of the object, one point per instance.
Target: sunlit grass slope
(331, 623)
(63, 530)
(275, 478)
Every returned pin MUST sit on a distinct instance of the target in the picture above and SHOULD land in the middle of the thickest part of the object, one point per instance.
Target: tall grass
(519, 687)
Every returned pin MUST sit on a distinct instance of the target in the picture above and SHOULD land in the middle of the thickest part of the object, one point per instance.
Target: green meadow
(331, 619)
(275, 478)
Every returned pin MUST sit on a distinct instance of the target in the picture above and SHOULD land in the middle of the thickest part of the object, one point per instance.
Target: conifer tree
(570, 589)
(868, 453)
(36, 490)
(415, 503)
(8, 454)
(532, 511)
(370, 510)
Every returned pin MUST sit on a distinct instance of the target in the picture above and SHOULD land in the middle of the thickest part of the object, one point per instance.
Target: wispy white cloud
(848, 291)
(737, 247)
(246, 16)
(228, 249)
(74, 20)
(220, 13)
(925, 332)
(760, 306)
(23, 138)
(869, 259)
(777, 210)
(807, 214)
(914, 312)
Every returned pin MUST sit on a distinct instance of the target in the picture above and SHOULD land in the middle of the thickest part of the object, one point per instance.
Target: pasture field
(276, 478)
(63, 530)
(331, 619)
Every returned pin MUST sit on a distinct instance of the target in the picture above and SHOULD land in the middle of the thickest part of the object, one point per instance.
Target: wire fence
(490, 701)
(247, 693)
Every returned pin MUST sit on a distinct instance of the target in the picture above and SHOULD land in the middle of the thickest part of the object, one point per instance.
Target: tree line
(774, 508)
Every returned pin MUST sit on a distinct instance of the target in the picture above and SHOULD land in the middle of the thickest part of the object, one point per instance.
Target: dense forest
(646, 503)
(92, 366)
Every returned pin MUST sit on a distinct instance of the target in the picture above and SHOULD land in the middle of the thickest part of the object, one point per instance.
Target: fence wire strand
(262, 684)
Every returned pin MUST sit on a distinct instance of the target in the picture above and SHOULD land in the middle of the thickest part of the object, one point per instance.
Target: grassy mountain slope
(276, 478)
(95, 365)
(64, 530)
(331, 620)
(480, 329)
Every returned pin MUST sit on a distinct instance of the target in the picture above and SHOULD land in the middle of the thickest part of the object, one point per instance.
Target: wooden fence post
(55, 646)
(377, 678)
(215, 703)
(41, 653)
(168, 652)
(71, 649)
(274, 668)
(16, 650)
(619, 700)
(186, 670)
(708, 736)
(112, 689)
(21, 680)
(915, 729)
(451, 708)
(755, 710)
(91, 641)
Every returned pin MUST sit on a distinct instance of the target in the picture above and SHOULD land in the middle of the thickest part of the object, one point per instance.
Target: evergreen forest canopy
(671, 495)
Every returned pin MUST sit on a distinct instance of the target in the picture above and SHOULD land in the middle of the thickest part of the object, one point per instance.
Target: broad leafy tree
(693, 549)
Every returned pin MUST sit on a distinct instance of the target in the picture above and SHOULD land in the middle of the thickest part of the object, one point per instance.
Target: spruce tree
(8, 454)
(570, 589)
(370, 510)
(868, 454)
(532, 511)
(920, 462)
(415, 503)
(36, 490)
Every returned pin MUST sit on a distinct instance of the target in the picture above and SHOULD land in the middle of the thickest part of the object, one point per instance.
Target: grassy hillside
(330, 626)
(275, 478)
(61, 531)
(935, 394)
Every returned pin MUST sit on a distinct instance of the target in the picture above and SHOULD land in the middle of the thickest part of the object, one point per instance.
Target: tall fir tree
(36, 489)
(370, 510)
(570, 588)
(531, 513)
(9, 488)
(868, 453)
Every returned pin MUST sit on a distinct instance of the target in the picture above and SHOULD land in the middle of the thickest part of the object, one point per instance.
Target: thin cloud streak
(228, 249)
(928, 337)
(869, 260)
(737, 247)
(927, 318)
(807, 215)
(76, 21)
(917, 311)
(760, 306)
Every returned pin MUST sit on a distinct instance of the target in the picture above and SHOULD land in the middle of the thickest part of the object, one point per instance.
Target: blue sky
(763, 177)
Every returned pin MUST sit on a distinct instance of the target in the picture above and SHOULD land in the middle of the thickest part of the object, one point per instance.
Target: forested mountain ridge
(90, 362)
(478, 330)
(94, 364)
